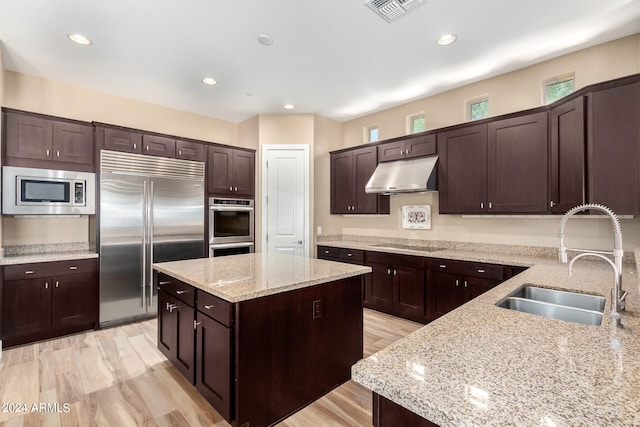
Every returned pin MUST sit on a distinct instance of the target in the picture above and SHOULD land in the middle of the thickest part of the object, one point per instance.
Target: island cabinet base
(294, 347)
(389, 414)
(260, 360)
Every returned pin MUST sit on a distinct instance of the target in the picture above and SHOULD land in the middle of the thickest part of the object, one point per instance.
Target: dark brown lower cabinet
(453, 283)
(396, 285)
(176, 332)
(213, 363)
(389, 414)
(259, 361)
(47, 300)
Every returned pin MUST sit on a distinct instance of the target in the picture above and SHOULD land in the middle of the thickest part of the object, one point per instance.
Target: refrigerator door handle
(150, 231)
(144, 242)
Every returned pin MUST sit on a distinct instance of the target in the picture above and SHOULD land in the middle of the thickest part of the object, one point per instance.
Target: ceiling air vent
(390, 10)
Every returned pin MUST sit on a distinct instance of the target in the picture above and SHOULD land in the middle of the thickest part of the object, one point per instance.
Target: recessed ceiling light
(446, 39)
(209, 81)
(288, 106)
(265, 39)
(79, 38)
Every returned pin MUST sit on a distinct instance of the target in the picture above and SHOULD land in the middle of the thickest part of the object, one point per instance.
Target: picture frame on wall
(416, 217)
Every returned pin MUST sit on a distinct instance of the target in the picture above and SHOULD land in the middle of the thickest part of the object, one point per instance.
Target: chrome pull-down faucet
(617, 294)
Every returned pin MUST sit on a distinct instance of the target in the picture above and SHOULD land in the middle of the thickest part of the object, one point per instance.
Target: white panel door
(286, 200)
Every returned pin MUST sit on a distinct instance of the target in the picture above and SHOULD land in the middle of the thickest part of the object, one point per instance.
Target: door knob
(299, 242)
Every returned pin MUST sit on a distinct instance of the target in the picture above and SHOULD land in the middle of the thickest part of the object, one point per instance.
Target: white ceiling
(335, 58)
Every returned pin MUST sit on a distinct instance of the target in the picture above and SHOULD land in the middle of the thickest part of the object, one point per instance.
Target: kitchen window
(371, 134)
(415, 123)
(477, 108)
(557, 87)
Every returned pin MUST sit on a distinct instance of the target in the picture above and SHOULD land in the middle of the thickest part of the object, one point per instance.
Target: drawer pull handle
(181, 292)
(326, 252)
(480, 271)
(209, 307)
(349, 254)
(73, 267)
(28, 272)
(443, 266)
(164, 282)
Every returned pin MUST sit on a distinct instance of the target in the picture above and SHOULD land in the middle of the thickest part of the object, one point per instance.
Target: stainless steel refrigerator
(151, 209)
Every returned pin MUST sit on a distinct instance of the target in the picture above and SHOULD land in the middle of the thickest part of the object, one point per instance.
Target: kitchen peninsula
(272, 332)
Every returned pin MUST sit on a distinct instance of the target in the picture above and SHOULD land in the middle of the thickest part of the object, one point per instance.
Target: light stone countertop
(238, 278)
(46, 257)
(482, 365)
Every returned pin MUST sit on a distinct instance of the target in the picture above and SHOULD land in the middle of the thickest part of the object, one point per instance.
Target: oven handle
(230, 245)
(231, 208)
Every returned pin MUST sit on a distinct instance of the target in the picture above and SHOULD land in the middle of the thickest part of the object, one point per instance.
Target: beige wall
(507, 93)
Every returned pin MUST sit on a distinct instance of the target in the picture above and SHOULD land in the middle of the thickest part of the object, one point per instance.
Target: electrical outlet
(317, 309)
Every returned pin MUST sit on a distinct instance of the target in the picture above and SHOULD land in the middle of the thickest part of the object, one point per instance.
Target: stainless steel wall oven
(231, 226)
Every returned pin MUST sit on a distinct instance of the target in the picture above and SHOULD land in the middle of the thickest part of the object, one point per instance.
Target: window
(478, 108)
(557, 87)
(372, 134)
(415, 123)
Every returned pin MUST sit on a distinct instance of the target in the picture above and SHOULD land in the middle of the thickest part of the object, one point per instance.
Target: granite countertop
(482, 365)
(242, 277)
(46, 257)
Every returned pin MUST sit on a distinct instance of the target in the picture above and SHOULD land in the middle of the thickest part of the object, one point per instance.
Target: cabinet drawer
(216, 308)
(395, 259)
(45, 269)
(182, 291)
(354, 256)
(328, 252)
(473, 269)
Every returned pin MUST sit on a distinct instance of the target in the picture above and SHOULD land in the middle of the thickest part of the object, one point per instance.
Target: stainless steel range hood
(404, 176)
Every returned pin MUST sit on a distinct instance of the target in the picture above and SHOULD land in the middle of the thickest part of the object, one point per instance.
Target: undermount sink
(555, 304)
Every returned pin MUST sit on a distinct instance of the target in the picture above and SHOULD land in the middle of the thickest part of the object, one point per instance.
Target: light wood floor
(117, 377)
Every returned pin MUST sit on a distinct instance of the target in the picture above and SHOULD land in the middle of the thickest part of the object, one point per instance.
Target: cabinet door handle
(28, 272)
(171, 307)
(388, 271)
(181, 292)
(235, 188)
(480, 271)
(490, 205)
(57, 283)
(481, 205)
(46, 285)
(230, 188)
(407, 152)
(402, 152)
(179, 152)
(195, 324)
(457, 282)
(147, 148)
(163, 282)
(209, 307)
(48, 152)
(73, 267)
(551, 204)
(443, 266)
(395, 272)
(135, 146)
(465, 283)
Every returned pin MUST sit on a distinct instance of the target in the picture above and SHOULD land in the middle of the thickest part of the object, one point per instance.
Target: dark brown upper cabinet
(124, 140)
(613, 146)
(231, 171)
(161, 146)
(350, 172)
(190, 151)
(518, 164)
(567, 155)
(462, 170)
(33, 140)
(421, 146)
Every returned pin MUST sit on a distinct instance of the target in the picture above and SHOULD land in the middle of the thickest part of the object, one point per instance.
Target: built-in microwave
(31, 191)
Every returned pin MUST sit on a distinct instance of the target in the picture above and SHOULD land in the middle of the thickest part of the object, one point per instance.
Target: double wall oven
(231, 225)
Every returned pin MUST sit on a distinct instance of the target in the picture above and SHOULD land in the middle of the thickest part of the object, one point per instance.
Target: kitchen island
(260, 335)
(483, 365)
